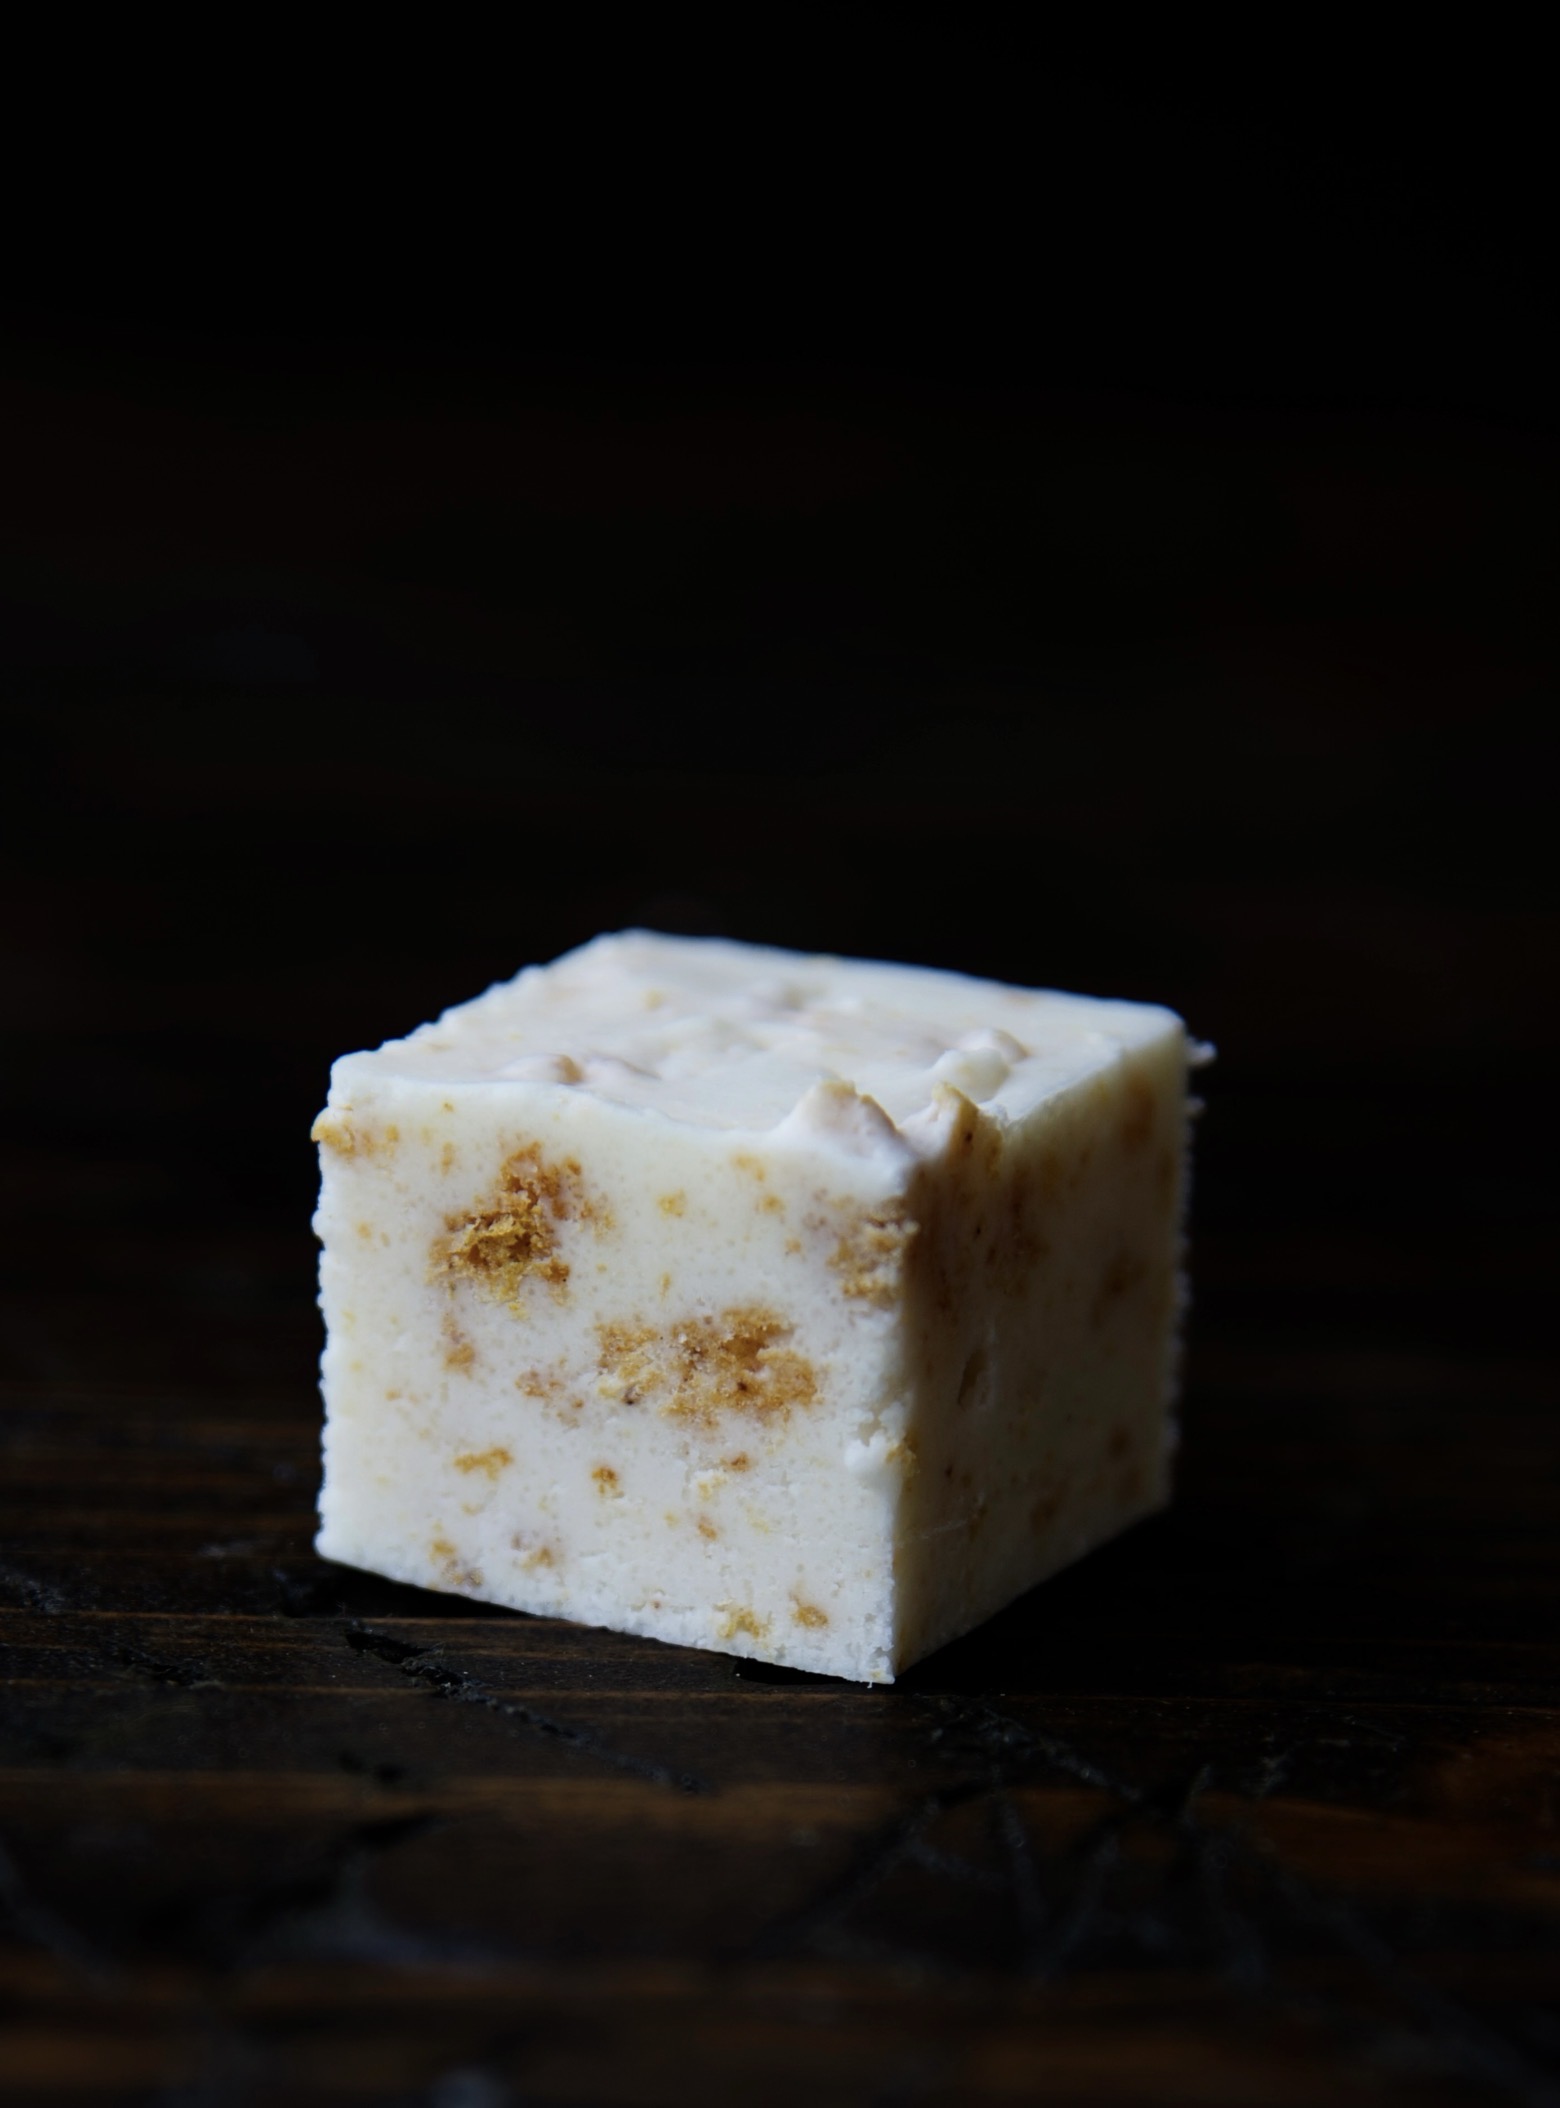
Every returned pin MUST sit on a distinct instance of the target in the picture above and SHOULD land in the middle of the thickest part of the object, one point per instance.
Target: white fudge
(800, 1307)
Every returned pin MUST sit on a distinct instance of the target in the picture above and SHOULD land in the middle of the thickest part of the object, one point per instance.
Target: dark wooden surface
(324, 709)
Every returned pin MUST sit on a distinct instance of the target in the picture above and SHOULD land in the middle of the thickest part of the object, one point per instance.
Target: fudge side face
(585, 1364)
(1042, 1303)
(641, 1312)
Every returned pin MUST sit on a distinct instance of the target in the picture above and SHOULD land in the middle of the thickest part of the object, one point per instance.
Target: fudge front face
(803, 1308)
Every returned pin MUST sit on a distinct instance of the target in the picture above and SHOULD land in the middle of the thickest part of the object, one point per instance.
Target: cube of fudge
(806, 1308)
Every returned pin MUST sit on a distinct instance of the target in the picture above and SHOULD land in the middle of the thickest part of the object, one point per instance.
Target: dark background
(1093, 525)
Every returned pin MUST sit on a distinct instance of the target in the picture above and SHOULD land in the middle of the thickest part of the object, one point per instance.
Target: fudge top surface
(740, 1037)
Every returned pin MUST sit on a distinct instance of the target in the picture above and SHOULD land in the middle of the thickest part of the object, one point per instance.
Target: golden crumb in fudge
(737, 1618)
(905, 1455)
(809, 1614)
(629, 1359)
(453, 1573)
(346, 1137)
(869, 1257)
(490, 1462)
(606, 1481)
(459, 1353)
(513, 1232)
(702, 1368)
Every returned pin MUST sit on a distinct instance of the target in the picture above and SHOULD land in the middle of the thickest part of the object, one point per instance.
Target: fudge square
(805, 1308)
